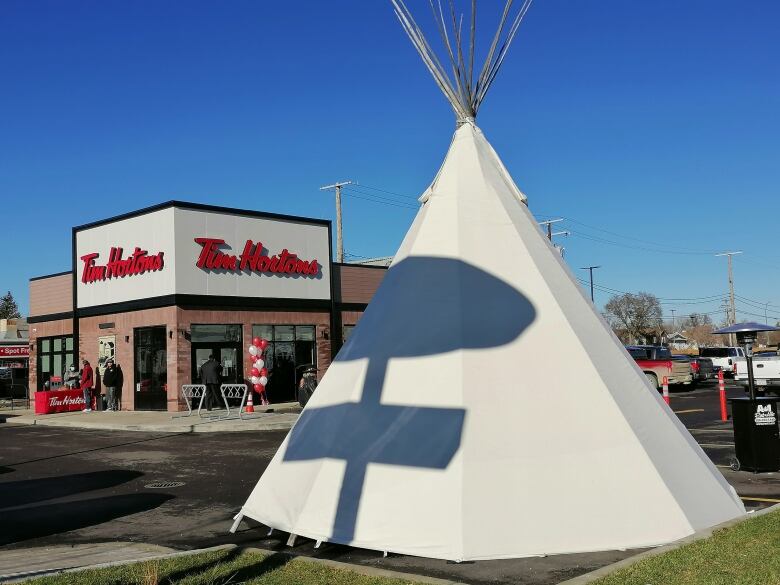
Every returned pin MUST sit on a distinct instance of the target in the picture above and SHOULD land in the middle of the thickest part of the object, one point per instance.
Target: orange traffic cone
(250, 407)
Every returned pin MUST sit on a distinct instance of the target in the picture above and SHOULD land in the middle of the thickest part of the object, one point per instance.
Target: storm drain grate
(164, 484)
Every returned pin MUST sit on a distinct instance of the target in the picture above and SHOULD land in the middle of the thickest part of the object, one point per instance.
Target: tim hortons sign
(254, 258)
(139, 262)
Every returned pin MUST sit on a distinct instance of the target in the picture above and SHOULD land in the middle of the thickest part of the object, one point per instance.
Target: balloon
(263, 381)
(254, 380)
(255, 373)
(253, 350)
(263, 344)
(258, 388)
(259, 364)
(256, 341)
(263, 372)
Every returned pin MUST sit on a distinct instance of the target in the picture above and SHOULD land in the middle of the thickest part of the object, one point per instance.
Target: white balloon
(255, 380)
(252, 350)
(263, 380)
(259, 363)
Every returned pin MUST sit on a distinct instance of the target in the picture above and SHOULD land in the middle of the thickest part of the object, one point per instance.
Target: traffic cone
(250, 407)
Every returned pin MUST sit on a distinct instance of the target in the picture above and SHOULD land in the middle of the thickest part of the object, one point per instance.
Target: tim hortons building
(160, 289)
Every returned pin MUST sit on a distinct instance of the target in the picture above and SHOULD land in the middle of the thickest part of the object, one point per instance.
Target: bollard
(666, 390)
(724, 413)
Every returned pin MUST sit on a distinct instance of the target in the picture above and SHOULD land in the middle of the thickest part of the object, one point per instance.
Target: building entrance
(151, 368)
(227, 355)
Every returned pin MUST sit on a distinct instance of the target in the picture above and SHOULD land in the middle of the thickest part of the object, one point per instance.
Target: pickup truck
(766, 373)
(702, 368)
(657, 362)
(723, 357)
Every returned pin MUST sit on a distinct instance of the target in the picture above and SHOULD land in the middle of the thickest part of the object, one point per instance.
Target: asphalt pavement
(64, 486)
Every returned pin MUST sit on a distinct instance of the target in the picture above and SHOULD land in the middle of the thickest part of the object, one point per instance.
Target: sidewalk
(278, 417)
(23, 563)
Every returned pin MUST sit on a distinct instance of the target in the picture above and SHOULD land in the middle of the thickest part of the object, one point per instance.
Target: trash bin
(756, 434)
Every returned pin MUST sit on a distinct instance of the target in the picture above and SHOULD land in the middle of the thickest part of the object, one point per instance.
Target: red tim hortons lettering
(139, 262)
(253, 258)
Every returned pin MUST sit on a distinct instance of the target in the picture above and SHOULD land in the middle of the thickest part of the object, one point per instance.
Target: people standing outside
(209, 375)
(87, 381)
(112, 380)
(307, 385)
(72, 377)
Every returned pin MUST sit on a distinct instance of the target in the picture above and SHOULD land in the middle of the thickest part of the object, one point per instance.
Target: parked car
(723, 356)
(702, 368)
(766, 373)
(656, 362)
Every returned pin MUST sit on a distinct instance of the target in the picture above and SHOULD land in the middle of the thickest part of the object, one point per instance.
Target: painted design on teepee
(393, 434)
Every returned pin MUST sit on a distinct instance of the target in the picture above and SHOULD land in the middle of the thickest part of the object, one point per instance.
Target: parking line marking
(689, 410)
(710, 431)
(716, 444)
(770, 500)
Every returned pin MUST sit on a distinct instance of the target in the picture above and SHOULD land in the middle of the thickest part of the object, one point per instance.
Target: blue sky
(655, 121)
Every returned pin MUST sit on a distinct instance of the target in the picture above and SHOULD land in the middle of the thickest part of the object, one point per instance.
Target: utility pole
(339, 236)
(549, 223)
(590, 269)
(674, 323)
(732, 305)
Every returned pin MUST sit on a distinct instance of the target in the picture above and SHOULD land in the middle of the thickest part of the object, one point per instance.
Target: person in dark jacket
(112, 380)
(87, 381)
(209, 375)
(307, 385)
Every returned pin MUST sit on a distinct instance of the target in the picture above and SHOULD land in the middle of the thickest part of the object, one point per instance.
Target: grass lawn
(746, 554)
(219, 568)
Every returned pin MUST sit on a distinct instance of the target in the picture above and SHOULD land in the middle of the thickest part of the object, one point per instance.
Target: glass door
(227, 355)
(151, 368)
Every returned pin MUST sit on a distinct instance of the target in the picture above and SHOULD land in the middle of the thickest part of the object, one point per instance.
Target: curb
(17, 577)
(700, 535)
(360, 569)
(219, 426)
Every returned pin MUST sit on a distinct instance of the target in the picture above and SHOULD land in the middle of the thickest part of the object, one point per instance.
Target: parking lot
(63, 486)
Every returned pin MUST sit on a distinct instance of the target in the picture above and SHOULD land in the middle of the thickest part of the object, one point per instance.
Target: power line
(386, 191)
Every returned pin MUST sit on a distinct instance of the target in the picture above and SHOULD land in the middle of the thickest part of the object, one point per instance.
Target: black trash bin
(756, 434)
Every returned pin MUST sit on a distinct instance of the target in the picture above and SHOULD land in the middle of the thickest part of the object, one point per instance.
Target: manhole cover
(164, 484)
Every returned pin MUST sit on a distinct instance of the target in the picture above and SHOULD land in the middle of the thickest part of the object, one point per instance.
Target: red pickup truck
(657, 362)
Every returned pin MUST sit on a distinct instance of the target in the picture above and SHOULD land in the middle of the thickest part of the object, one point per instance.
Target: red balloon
(258, 388)
(263, 344)
(263, 372)
(257, 341)
(255, 372)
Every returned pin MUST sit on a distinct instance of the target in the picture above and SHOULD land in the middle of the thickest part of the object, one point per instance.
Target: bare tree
(632, 316)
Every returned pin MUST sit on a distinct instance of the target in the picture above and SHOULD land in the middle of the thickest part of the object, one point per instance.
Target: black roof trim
(203, 207)
(374, 266)
(63, 273)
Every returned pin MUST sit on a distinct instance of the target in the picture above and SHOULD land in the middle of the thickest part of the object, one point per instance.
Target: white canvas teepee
(446, 427)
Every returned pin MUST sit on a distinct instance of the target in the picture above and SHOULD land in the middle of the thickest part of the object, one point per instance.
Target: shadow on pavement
(4, 469)
(28, 491)
(168, 436)
(45, 520)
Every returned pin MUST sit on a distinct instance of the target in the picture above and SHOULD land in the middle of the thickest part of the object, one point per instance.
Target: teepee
(446, 426)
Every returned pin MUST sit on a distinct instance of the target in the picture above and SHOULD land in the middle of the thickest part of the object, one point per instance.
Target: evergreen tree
(8, 307)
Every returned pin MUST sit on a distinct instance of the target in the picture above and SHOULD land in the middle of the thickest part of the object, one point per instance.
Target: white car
(723, 357)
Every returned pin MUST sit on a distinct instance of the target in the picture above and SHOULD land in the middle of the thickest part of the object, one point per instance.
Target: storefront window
(289, 348)
(55, 356)
(347, 331)
(211, 332)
